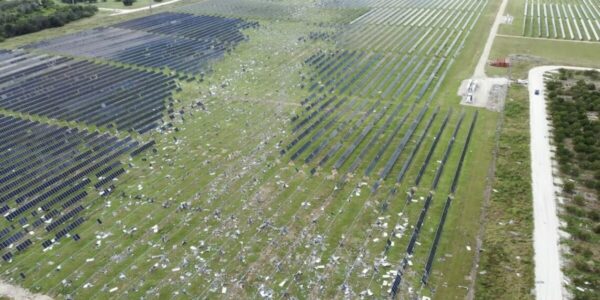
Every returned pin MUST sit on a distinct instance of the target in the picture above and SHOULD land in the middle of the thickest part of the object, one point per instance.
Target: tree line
(575, 109)
(574, 105)
(27, 16)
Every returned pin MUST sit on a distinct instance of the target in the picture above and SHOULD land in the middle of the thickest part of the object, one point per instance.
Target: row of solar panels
(181, 42)
(52, 166)
(82, 91)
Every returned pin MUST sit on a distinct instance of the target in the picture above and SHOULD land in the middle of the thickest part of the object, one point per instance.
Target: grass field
(218, 212)
(506, 265)
(527, 53)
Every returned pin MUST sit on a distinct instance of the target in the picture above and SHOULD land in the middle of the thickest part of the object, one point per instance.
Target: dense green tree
(27, 16)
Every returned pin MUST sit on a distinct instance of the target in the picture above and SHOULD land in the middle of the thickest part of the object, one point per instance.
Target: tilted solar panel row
(9, 241)
(142, 148)
(190, 26)
(109, 178)
(46, 168)
(22, 246)
(178, 41)
(74, 200)
(7, 257)
(66, 194)
(71, 226)
(64, 218)
(88, 92)
(109, 168)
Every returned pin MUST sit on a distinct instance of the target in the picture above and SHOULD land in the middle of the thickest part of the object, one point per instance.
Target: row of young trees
(575, 109)
(574, 104)
(27, 16)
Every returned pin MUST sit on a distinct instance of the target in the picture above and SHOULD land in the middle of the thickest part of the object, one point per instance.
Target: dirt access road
(483, 59)
(548, 274)
(485, 94)
(117, 11)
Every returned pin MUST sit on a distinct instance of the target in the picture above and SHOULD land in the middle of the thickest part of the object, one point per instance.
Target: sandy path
(129, 11)
(548, 274)
(19, 293)
(483, 59)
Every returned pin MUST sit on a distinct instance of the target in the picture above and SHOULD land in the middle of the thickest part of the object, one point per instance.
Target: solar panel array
(46, 174)
(181, 42)
(420, 27)
(571, 20)
(248, 8)
(82, 91)
(368, 115)
(208, 28)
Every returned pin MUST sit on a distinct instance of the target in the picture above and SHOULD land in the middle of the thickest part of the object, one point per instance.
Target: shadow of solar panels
(72, 90)
(181, 42)
(46, 172)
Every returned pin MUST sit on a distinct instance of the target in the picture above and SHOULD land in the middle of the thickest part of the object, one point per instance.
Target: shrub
(27, 16)
(569, 187)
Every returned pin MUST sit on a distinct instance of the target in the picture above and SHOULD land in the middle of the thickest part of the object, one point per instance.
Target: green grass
(514, 8)
(506, 263)
(526, 53)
